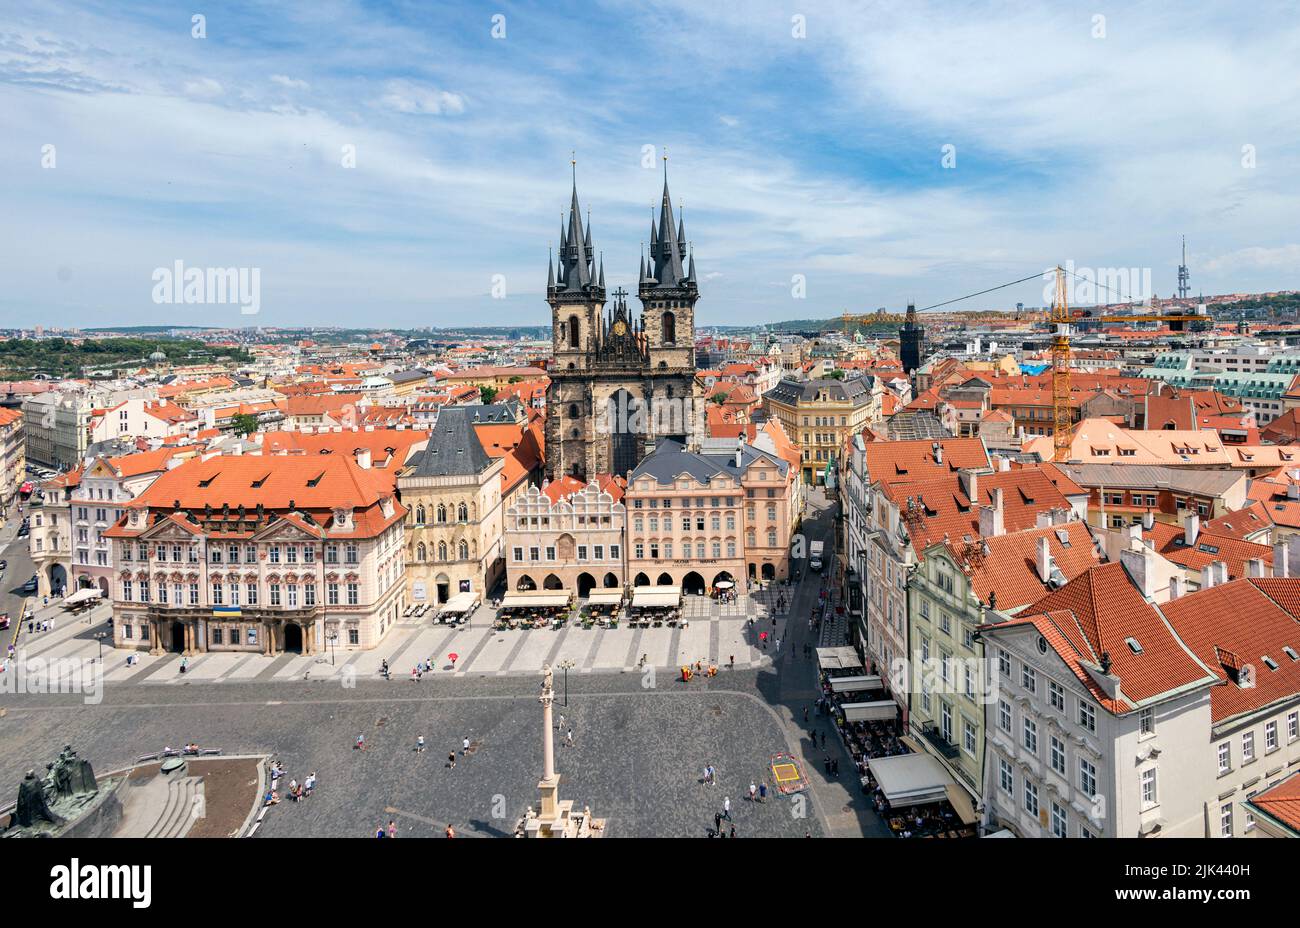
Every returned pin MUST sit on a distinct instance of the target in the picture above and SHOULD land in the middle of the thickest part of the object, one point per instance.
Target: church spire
(577, 262)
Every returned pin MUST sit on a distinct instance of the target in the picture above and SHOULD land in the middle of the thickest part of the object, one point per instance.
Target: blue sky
(818, 156)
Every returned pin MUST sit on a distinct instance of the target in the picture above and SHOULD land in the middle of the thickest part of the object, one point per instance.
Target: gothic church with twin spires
(620, 384)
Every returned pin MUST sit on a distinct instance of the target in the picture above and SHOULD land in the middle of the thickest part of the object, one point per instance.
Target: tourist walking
(361, 743)
(726, 808)
(392, 828)
(464, 746)
(762, 792)
(419, 744)
(568, 738)
(451, 760)
(753, 791)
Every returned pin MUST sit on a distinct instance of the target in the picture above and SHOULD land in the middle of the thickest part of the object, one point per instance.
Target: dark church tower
(668, 291)
(911, 342)
(619, 384)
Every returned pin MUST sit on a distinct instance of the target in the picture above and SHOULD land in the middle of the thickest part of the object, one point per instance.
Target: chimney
(1044, 559)
(1191, 529)
(1220, 571)
(1280, 565)
(1148, 520)
(1255, 567)
(1292, 491)
(363, 458)
(1139, 564)
(938, 452)
(1043, 519)
(1175, 586)
(991, 517)
(1004, 464)
(970, 484)
(1134, 534)
(1207, 576)
(739, 446)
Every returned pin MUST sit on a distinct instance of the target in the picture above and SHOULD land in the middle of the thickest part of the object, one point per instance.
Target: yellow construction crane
(1061, 320)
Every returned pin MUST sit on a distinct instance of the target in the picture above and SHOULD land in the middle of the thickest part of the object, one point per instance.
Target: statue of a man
(32, 808)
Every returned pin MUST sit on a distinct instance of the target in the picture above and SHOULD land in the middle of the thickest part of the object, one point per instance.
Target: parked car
(31, 585)
(3, 563)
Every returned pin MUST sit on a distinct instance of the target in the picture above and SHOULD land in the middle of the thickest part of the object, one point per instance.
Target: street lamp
(331, 638)
(565, 665)
(100, 636)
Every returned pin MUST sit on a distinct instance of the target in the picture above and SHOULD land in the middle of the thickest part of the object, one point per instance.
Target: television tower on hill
(1184, 285)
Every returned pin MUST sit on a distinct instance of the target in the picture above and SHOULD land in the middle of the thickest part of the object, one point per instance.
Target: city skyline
(808, 151)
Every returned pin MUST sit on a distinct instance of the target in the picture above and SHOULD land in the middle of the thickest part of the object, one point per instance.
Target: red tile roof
(892, 461)
(1209, 549)
(1097, 612)
(1281, 802)
(1010, 569)
(940, 508)
(1239, 624)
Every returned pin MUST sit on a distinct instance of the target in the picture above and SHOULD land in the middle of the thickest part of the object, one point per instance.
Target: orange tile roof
(1210, 622)
(1095, 614)
(1281, 802)
(1209, 548)
(317, 485)
(1010, 569)
(940, 508)
(910, 460)
(1247, 521)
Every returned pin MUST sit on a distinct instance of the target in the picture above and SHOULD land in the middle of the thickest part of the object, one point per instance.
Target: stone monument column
(550, 784)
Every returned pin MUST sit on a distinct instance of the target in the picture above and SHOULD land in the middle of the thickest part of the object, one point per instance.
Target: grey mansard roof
(670, 459)
(793, 392)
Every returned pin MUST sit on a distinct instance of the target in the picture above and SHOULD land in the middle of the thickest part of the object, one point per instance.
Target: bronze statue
(32, 807)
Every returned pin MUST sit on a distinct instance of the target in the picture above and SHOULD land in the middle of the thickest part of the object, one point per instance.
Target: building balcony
(946, 748)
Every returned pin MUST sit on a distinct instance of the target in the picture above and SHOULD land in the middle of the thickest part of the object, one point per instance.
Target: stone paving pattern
(641, 742)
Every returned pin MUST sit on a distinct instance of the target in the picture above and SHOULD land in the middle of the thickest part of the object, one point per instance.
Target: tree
(719, 398)
(836, 374)
(516, 379)
(487, 395)
(244, 423)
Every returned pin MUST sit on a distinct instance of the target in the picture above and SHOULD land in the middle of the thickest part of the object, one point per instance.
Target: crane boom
(1060, 320)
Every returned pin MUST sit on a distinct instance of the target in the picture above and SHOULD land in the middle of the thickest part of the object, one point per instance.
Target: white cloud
(204, 87)
(409, 97)
(290, 83)
(1283, 258)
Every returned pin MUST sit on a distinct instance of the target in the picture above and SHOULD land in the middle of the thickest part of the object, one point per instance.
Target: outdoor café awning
(856, 684)
(461, 602)
(885, 710)
(605, 597)
(82, 595)
(910, 779)
(524, 599)
(843, 658)
(651, 597)
(961, 804)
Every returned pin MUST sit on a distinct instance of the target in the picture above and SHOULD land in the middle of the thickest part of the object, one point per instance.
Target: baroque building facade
(620, 384)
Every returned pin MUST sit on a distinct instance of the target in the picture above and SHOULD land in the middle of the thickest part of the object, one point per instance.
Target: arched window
(442, 513)
(462, 513)
(573, 331)
(669, 328)
(442, 550)
(419, 514)
(463, 551)
(573, 410)
(420, 551)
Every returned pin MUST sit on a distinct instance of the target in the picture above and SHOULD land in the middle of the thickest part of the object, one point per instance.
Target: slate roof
(792, 392)
(670, 458)
(453, 448)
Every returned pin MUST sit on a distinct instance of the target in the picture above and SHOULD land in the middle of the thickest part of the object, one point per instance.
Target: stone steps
(177, 816)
